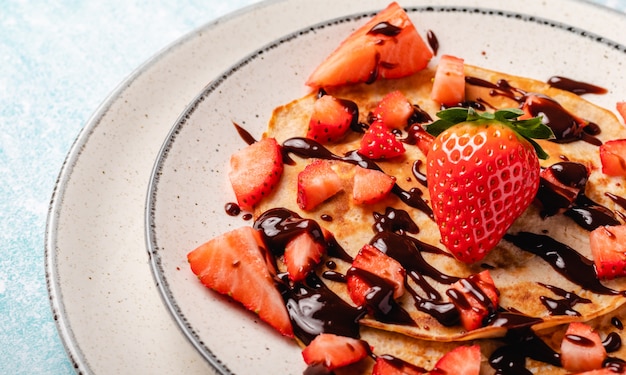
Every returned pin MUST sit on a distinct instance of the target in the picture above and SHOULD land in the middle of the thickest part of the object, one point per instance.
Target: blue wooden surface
(58, 62)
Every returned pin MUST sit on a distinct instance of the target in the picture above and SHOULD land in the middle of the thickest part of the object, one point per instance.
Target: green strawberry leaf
(529, 129)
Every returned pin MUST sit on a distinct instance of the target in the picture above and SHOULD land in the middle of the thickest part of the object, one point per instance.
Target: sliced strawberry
(331, 119)
(231, 263)
(394, 110)
(462, 360)
(608, 249)
(581, 348)
(379, 142)
(254, 171)
(302, 253)
(449, 83)
(372, 260)
(621, 109)
(371, 186)
(560, 185)
(316, 183)
(387, 46)
(613, 157)
(389, 365)
(476, 298)
(334, 351)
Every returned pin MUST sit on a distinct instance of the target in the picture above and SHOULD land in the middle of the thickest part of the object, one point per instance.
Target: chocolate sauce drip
(419, 116)
(394, 220)
(419, 176)
(617, 323)
(335, 250)
(444, 312)
(563, 259)
(612, 342)
(307, 148)
(617, 199)
(555, 198)
(433, 42)
(402, 366)
(564, 306)
(470, 285)
(513, 320)
(579, 340)
(501, 87)
(617, 365)
(232, 209)
(279, 225)
(379, 298)
(315, 309)
(592, 217)
(510, 359)
(334, 276)
(243, 133)
(385, 28)
(576, 87)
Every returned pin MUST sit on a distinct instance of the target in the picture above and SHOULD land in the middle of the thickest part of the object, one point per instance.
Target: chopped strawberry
(621, 108)
(302, 253)
(334, 351)
(481, 176)
(389, 365)
(462, 360)
(613, 157)
(331, 119)
(254, 171)
(608, 249)
(231, 263)
(371, 186)
(316, 183)
(394, 110)
(476, 298)
(387, 46)
(581, 348)
(379, 142)
(449, 83)
(372, 260)
(560, 185)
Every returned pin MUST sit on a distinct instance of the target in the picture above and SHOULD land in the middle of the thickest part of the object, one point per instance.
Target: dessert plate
(103, 294)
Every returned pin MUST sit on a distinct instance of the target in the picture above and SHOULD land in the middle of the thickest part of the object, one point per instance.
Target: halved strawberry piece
(449, 83)
(334, 351)
(387, 46)
(621, 109)
(374, 261)
(581, 348)
(331, 119)
(316, 183)
(390, 365)
(560, 185)
(462, 360)
(394, 110)
(254, 171)
(379, 142)
(476, 298)
(608, 249)
(613, 157)
(302, 253)
(234, 261)
(371, 186)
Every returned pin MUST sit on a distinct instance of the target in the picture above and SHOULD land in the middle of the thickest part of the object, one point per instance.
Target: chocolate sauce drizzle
(563, 306)
(576, 87)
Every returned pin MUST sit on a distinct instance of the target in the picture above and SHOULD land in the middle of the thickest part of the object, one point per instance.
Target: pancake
(529, 286)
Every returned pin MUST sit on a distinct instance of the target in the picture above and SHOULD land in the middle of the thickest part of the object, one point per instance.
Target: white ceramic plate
(104, 297)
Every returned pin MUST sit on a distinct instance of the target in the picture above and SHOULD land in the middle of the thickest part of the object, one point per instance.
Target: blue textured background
(58, 62)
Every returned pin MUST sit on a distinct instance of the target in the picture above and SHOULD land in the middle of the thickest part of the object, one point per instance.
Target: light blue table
(58, 61)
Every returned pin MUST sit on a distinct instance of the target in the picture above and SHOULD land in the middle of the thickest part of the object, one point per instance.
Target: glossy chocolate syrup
(307, 148)
(385, 28)
(612, 342)
(243, 133)
(617, 323)
(510, 359)
(419, 176)
(563, 259)
(576, 87)
(563, 306)
(279, 225)
(433, 42)
(315, 309)
(617, 199)
(232, 209)
(470, 285)
(394, 220)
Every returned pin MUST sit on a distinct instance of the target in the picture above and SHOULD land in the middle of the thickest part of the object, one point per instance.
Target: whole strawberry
(482, 172)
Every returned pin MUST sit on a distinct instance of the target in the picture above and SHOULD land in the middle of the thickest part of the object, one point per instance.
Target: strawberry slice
(379, 142)
(374, 261)
(230, 263)
(371, 186)
(334, 351)
(316, 183)
(613, 157)
(331, 119)
(449, 83)
(255, 171)
(608, 249)
(302, 253)
(462, 360)
(476, 298)
(387, 46)
(581, 348)
(394, 110)
(621, 109)
(390, 365)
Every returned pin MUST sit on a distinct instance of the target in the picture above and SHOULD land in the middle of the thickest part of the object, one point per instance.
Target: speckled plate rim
(56, 246)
